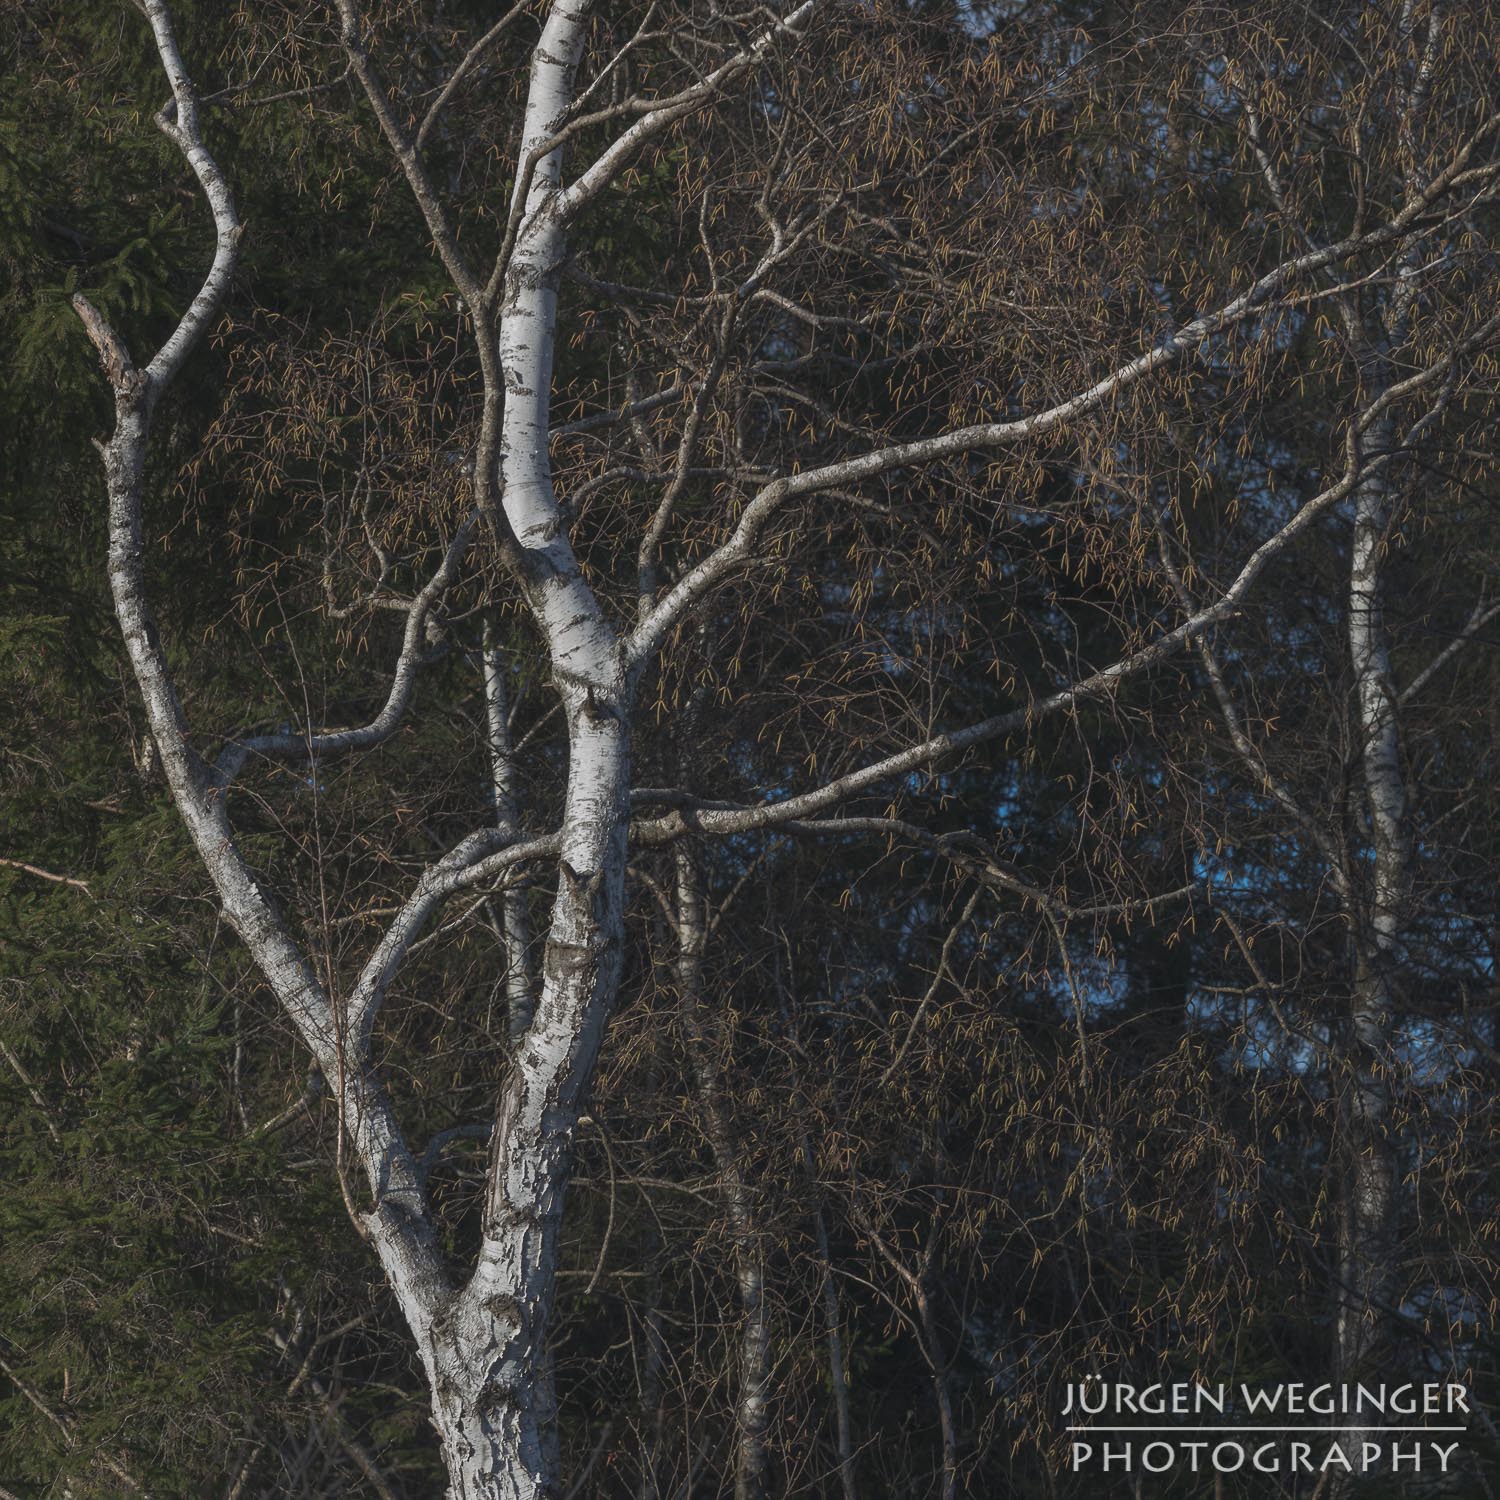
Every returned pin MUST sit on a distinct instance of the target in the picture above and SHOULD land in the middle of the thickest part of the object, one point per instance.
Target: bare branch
(467, 64)
(598, 175)
(733, 553)
(1096, 684)
(1479, 617)
(481, 856)
(315, 746)
(41, 874)
(407, 153)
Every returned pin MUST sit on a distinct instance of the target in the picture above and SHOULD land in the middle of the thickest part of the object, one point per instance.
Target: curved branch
(650, 632)
(397, 1223)
(723, 822)
(481, 856)
(606, 167)
(403, 681)
(179, 122)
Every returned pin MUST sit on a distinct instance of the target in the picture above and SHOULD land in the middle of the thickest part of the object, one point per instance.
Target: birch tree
(716, 472)
(1366, 836)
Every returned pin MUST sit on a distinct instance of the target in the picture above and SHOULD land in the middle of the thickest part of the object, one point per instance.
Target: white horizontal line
(1349, 1427)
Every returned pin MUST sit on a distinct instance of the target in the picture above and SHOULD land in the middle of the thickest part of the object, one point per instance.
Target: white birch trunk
(1367, 1227)
(487, 1353)
(1370, 1221)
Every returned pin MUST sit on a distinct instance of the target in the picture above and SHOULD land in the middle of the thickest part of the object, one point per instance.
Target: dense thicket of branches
(780, 728)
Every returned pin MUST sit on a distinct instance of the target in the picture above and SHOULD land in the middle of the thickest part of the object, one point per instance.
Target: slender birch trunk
(514, 921)
(833, 1314)
(1369, 1228)
(491, 1394)
(1367, 1225)
(752, 1470)
(838, 1378)
(650, 1405)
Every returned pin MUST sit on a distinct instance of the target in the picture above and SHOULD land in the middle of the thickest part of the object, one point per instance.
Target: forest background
(1147, 1029)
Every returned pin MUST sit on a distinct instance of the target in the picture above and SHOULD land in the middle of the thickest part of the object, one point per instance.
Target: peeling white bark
(487, 1365)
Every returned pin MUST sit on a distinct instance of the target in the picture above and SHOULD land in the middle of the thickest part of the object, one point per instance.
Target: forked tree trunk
(486, 1351)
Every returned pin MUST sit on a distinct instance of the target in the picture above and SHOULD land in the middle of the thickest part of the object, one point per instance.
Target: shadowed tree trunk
(703, 1029)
